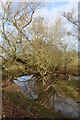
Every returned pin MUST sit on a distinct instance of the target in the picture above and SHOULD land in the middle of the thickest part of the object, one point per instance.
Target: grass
(73, 67)
(68, 89)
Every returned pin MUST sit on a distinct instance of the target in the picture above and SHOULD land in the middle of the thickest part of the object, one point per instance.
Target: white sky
(55, 8)
(40, 0)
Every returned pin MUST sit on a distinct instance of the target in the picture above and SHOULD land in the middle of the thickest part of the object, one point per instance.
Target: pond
(52, 101)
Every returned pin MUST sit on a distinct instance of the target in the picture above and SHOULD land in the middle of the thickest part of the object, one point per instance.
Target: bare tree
(74, 20)
(15, 19)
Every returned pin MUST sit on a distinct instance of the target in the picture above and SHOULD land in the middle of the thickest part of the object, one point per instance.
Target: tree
(46, 46)
(14, 23)
(15, 18)
(32, 43)
(74, 20)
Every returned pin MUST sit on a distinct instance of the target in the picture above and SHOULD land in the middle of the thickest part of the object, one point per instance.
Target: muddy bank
(11, 111)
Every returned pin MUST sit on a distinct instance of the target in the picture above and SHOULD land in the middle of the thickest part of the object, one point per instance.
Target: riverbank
(14, 100)
(16, 106)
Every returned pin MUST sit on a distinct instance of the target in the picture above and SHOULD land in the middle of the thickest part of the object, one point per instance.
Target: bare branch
(69, 17)
(29, 21)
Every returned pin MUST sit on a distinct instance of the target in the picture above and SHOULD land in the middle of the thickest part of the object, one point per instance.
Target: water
(24, 78)
(73, 77)
(66, 106)
(55, 102)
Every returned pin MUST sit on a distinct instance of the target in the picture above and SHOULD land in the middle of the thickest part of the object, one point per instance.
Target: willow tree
(46, 46)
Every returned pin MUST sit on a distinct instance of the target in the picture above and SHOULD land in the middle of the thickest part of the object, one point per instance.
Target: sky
(52, 10)
(55, 8)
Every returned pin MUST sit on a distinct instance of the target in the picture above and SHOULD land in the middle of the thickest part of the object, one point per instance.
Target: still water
(54, 102)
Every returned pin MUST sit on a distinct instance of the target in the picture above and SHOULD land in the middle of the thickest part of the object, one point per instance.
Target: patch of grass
(68, 89)
(73, 67)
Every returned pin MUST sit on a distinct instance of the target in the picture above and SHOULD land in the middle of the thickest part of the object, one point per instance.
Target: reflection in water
(66, 106)
(73, 77)
(55, 102)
